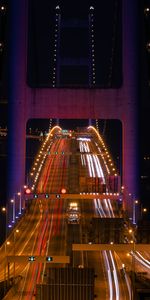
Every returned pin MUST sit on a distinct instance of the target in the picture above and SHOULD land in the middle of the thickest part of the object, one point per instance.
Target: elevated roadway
(44, 230)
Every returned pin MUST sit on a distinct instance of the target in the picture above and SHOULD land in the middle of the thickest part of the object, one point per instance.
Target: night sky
(81, 40)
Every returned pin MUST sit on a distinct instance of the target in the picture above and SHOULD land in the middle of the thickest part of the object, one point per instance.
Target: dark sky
(84, 40)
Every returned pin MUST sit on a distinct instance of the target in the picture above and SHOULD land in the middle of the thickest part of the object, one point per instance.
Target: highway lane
(19, 234)
(24, 243)
(37, 245)
(117, 287)
(49, 237)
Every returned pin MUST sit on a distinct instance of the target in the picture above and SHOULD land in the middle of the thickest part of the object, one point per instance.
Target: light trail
(95, 169)
(107, 264)
(112, 274)
(141, 259)
(49, 229)
(128, 286)
(115, 277)
(99, 208)
(107, 207)
(110, 207)
(99, 168)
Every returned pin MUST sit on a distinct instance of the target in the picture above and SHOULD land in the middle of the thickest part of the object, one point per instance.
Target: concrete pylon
(26, 102)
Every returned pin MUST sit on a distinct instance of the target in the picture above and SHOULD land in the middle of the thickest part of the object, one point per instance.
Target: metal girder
(38, 258)
(112, 247)
(83, 196)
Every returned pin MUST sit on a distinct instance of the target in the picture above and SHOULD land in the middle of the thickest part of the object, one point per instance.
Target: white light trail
(143, 258)
(107, 207)
(115, 276)
(110, 207)
(83, 139)
(99, 208)
(98, 168)
(128, 286)
(143, 261)
(109, 275)
(95, 170)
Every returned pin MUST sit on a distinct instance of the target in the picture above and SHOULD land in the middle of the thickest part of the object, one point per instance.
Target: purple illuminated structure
(64, 103)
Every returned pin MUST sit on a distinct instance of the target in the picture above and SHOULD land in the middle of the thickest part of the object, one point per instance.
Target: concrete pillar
(17, 102)
(130, 103)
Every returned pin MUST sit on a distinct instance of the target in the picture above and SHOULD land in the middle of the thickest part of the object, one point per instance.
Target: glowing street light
(19, 194)
(135, 203)
(3, 209)
(63, 191)
(13, 203)
(144, 210)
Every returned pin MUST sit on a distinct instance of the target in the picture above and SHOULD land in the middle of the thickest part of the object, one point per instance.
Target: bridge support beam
(17, 113)
(26, 102)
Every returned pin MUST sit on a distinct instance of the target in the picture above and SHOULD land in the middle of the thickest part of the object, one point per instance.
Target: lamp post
(135, 204)
(13, 212)
(19, 194)
(133, 241)
(6, 270)
(18, 206)
(21, 198)
(15, 232)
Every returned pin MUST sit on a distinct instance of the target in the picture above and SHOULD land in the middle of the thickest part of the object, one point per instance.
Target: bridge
(75, 207)
(58, 225)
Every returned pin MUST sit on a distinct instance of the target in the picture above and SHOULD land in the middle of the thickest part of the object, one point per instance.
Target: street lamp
(135, 203)
(3, 209)
(13, 203)
(20, 205)
(15, 232)
(6, 268)
(19, 194)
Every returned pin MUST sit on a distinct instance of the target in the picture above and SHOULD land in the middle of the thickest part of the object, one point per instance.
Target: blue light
(49, 258)
(31, 258)
(57, 196)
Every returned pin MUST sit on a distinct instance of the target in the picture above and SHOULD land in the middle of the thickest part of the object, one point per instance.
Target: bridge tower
(31, 97)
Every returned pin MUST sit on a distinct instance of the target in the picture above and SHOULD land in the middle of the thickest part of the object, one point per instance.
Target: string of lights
(105, 155)
(92, 78)
(3, 10)
(114, 36)
(56, 46)
(50, 124)
(147, 37)
(97, 125)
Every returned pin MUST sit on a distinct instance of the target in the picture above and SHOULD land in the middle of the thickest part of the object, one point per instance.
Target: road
(70, 162)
